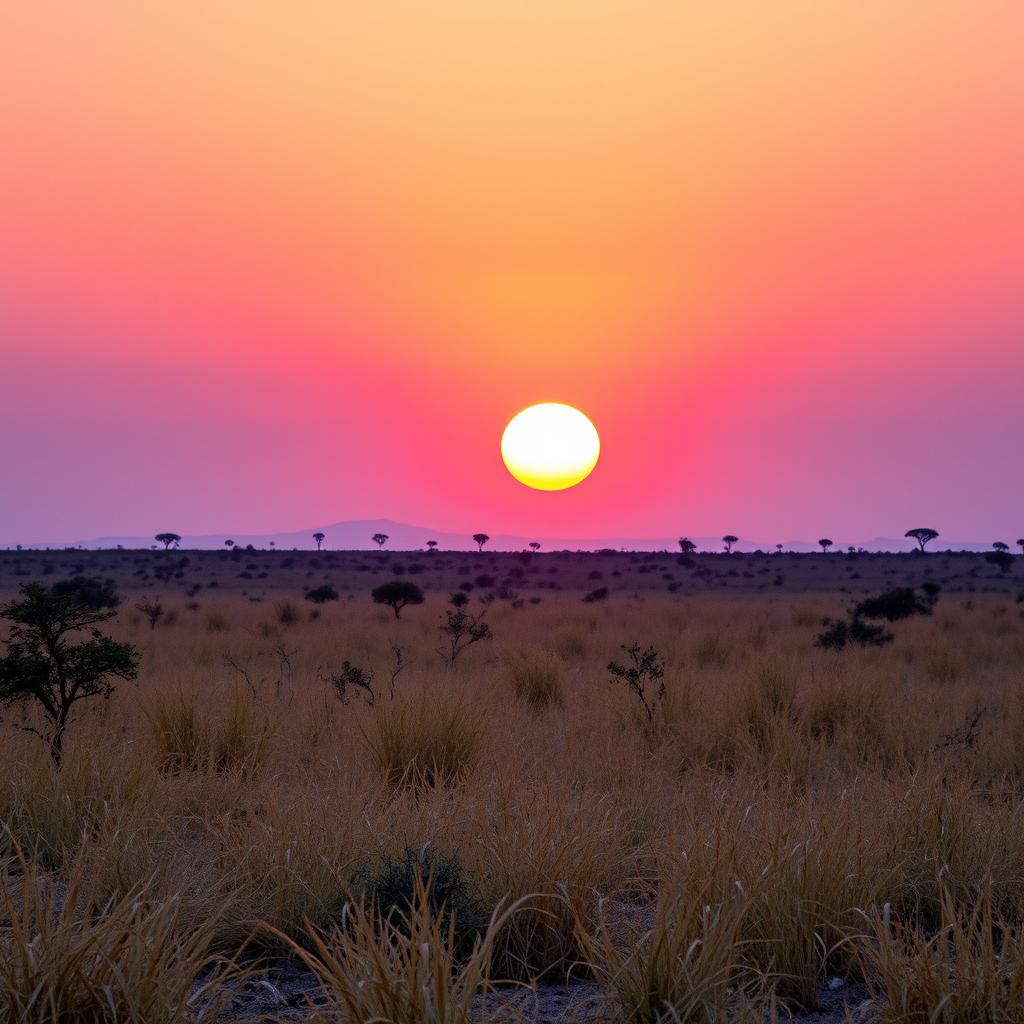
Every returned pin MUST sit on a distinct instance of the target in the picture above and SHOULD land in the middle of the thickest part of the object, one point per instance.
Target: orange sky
(277, 265)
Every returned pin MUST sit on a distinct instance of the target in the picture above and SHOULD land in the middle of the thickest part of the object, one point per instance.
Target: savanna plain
(633, 788)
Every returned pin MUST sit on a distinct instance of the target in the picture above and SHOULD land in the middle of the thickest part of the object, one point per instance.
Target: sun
(550, 446)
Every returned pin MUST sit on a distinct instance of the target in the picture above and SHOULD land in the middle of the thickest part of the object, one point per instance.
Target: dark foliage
(1002, 560)
(353, 679)
(453, 894)
(45, 667)
(89, 591)
(460, 630)
(397, 594)
(322, 594)
(840, 632)
(896, 605)
(647, 668)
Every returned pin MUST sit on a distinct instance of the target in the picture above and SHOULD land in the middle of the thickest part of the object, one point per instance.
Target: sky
(266, 266)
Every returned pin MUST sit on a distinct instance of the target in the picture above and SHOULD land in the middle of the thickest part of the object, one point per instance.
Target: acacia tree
(687, 546)
(229, 543)
(431, 546)
(728, 540)
(380, 539)
(319, 538)
(1000, 546)
(481, 539)
(397, 594)
(922, 534)
(167, 539)
(825, 544)
(1020, 544)
(43, 665)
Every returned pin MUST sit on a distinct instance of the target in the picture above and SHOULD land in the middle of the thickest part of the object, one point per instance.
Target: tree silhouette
(481, 539)
(229, 543)
(319, 538)
(167, 539)
(778, 547)
(825, 544)
(535, 547)
(397, 594)
(1020, 544)
(728, 540)
(43, 666)
(380, 539)
(686, 546)
(432, 545)
(922, 534)
(1000, 546)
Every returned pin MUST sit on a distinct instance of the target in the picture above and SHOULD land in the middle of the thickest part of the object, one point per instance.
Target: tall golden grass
(791, 815)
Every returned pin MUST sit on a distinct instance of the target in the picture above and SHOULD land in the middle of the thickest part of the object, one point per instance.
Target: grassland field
(787, 822)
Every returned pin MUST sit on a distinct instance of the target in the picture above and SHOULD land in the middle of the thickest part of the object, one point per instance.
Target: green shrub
(452, 894)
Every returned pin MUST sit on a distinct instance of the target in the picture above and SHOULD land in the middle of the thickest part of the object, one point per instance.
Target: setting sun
(550, 446)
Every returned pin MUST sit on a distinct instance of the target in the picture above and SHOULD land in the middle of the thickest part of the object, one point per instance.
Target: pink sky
(266, 268)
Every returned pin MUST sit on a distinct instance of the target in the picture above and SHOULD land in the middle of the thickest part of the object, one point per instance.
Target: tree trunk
(57, 746)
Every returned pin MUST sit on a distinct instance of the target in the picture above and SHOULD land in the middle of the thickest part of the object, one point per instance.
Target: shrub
(595, 595)
(451, 893)
(460, 630)
(896, 605)
(838, 633)
(89, 591)
(322, 594)
(646, 670)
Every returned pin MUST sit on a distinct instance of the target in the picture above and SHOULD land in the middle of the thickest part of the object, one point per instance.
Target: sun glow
(550, 446)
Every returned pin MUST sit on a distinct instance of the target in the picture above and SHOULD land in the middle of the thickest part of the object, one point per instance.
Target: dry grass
(970, 971)
(67, 956)
(783, 796)
(398, 967)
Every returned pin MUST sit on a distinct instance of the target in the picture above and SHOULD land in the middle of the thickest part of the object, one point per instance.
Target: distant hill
(356, 534)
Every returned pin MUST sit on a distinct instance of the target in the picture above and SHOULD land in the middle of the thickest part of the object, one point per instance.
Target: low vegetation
(674, 794)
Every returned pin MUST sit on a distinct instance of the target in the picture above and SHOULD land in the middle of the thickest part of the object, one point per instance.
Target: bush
(598, 594)
(896, 605)
(452, 894)
(838, 633)
(322, 594)
(89, 591)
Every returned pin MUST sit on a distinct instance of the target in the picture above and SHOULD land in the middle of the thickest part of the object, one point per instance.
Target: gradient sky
(266, 266)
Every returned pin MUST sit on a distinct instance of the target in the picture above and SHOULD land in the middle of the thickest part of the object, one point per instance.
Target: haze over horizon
(259, 261)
